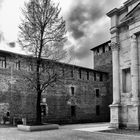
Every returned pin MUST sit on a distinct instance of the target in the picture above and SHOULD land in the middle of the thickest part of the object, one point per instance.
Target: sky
(86, 20)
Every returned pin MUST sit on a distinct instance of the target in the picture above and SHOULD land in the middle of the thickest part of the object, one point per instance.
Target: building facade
(84, 95)
(125, 44)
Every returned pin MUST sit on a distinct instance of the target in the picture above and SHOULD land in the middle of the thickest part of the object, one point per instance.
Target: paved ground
(66, 132)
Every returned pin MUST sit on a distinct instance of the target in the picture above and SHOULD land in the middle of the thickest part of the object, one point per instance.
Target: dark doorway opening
(73, 111)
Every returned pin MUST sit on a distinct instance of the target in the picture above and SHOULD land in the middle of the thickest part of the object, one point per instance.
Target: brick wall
(15, 91)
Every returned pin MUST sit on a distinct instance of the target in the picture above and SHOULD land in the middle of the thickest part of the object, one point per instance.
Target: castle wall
(88, 102)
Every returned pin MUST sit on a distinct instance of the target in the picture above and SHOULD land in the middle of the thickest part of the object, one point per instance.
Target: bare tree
(42, 33)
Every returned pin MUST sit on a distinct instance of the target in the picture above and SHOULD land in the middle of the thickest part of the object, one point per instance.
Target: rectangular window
(43, 110)
(97, 110)
(18, 65)
(30, 67)
(103, 49)
(73, 111)
(2, 62)
(101, 77)
(80, 75)
(87, 75)
(72, 90)
(94, 76)
(71, 73)
(97, 93)
(126, 80)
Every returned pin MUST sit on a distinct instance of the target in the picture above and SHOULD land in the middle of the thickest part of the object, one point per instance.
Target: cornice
(112, 12)
(129, 2)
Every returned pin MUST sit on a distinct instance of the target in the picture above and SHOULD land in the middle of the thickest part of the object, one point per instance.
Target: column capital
(115, 46)
(134, 38)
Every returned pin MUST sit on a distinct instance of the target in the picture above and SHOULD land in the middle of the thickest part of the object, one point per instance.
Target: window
(73, 111)
(72, 90)
(97, 50)
(94, 76)
(3, 62)
(71, 73)
(126, 80)
(44, 109)
(80, 76)
(97, 110)
(103, 49)
(97, 93)
(87, 75)
(101, 77)
(63, 72)
(18, 65)
(30, 67)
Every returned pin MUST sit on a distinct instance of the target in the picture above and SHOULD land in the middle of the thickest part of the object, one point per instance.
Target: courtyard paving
(66, 132)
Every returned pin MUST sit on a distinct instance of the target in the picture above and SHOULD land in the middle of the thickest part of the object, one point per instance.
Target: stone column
(115, 107)
(134, 69)
(116, 76)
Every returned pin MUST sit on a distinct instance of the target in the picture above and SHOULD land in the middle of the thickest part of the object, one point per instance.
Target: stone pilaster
(134, 70)
(116, 79)
(133, 109)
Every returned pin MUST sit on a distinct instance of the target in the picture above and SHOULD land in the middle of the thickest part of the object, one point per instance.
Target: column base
(133, 117)
(114, 125)
(133, 126)
(114, 115)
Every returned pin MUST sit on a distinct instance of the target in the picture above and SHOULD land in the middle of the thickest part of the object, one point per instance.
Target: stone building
(84, 95)
(125, 42)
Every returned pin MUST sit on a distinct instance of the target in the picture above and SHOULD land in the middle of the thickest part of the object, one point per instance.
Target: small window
(72, 90)
(73, 111)
(71, 73)
(44, 109)
(104, 49)
(94, 76)
(97, 93)
(80, 75)
(3, 62)
(97, 110)
(97, 50)
(18, 65)
(101, 77)
(63, 72)
(87, 75)
(30, 67)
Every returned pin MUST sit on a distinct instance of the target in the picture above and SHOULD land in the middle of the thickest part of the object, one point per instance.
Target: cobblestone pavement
(66, 132)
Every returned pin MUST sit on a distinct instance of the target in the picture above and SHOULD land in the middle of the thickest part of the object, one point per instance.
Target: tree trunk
(38, 108)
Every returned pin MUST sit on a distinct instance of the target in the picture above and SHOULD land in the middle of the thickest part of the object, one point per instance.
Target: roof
(61, 63)
(105, 43)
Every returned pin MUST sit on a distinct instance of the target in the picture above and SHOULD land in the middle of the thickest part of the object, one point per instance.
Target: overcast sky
(86, 20)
